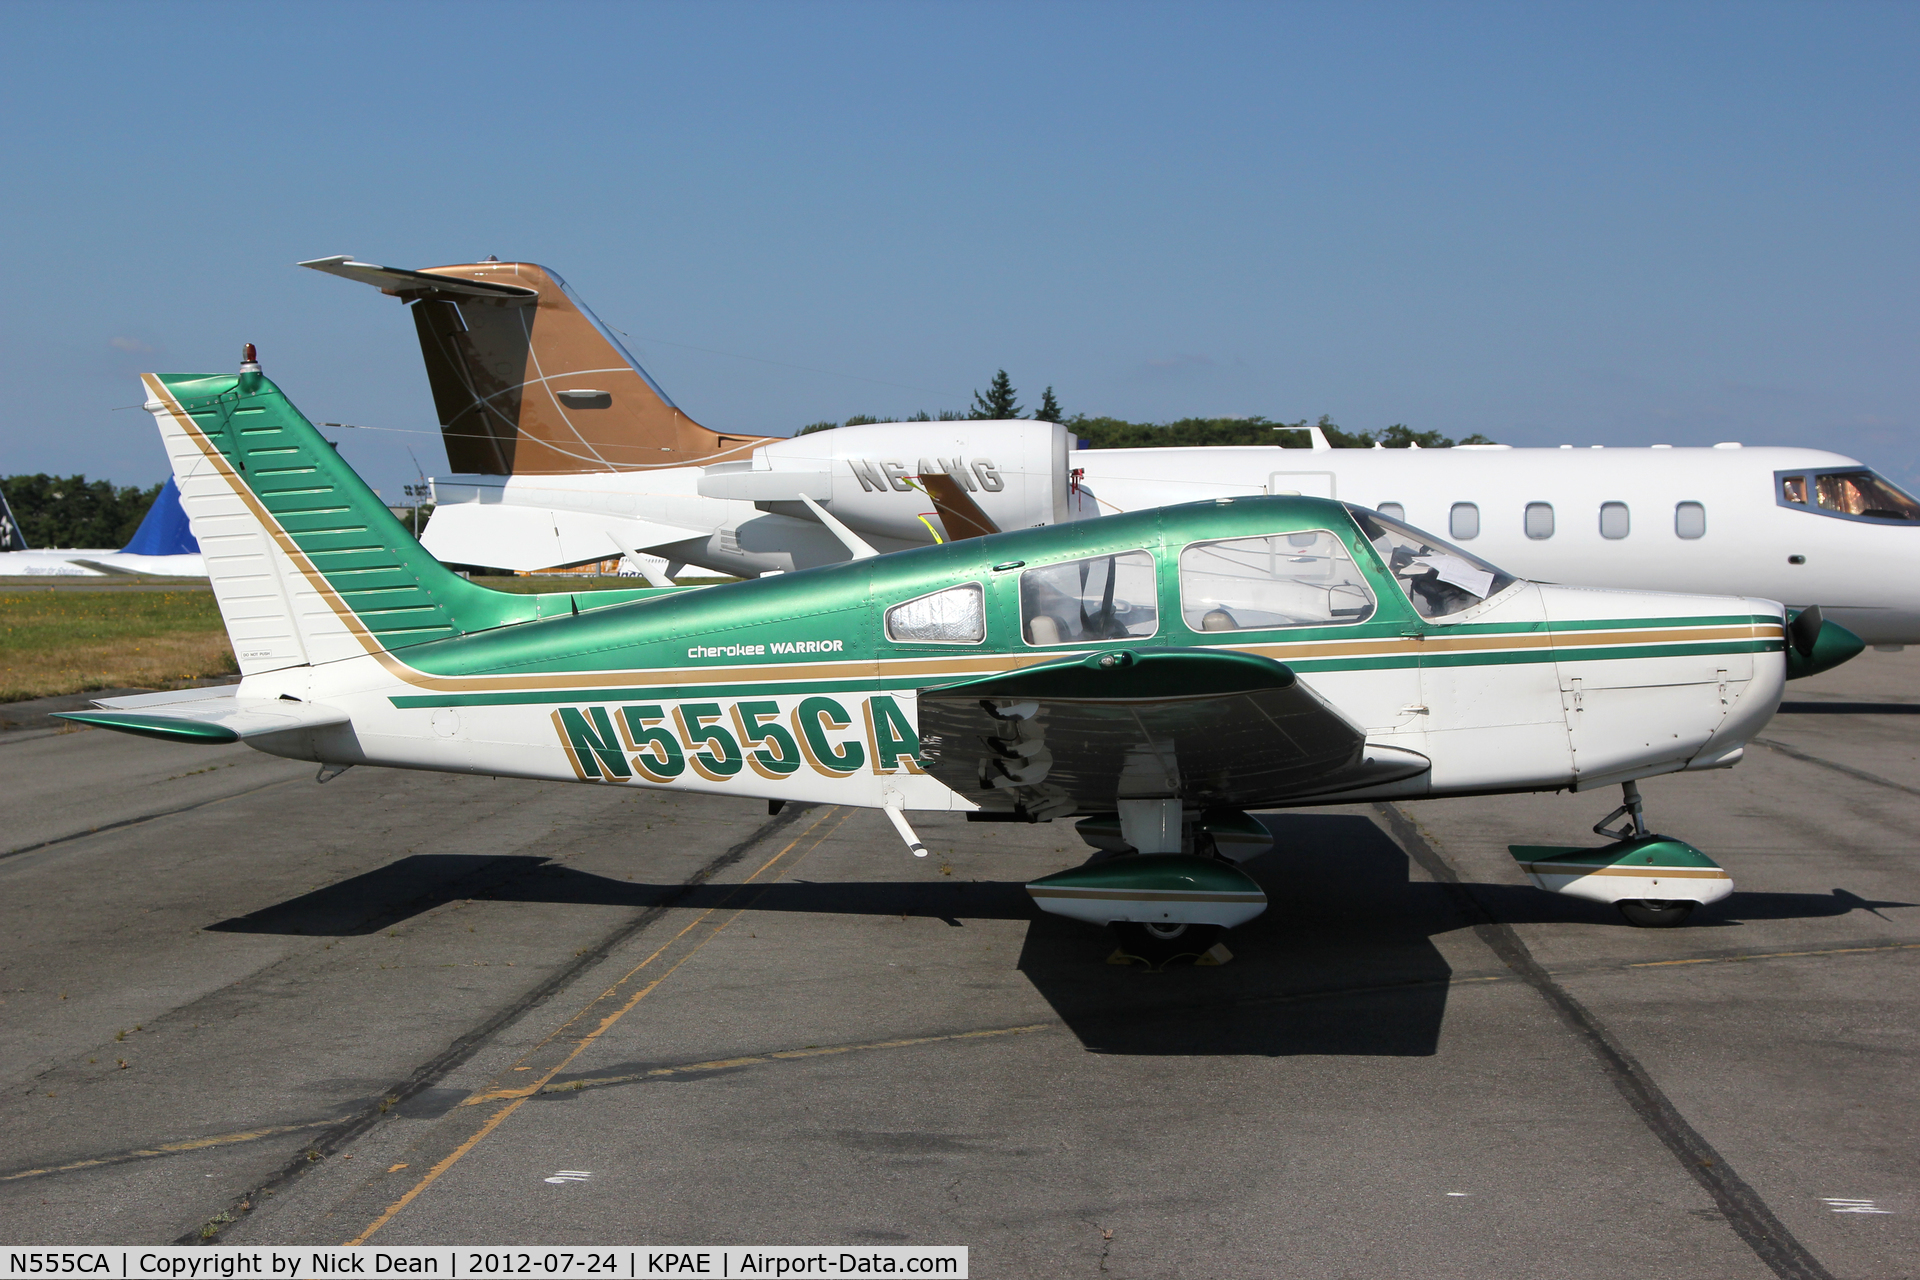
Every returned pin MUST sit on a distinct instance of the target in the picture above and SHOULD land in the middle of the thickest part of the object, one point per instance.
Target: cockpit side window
(1853, 494)
(1110, 597)
(1304, 579)
(1438, 577)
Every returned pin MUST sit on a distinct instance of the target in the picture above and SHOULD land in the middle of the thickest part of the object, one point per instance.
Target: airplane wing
(959, 514)
(1215, 728)
(209, 716)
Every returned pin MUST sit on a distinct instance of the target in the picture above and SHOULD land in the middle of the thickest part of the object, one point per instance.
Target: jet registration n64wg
(1153, 675)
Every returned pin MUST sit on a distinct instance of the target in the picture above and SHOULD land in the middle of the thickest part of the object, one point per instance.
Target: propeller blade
(1805, 629)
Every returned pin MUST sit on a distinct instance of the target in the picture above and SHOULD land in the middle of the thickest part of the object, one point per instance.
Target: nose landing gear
(1655, 881)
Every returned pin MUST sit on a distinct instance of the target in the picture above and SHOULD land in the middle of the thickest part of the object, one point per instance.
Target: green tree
(73, 511)
(1116, 433)
(998, 401)
(1049, 410)
(812, 427)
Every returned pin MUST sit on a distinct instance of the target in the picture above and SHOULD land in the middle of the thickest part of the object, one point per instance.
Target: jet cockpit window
(1438, 577)
(1850, 495)
(1111, 597)
(956, 615)
(1285, 580)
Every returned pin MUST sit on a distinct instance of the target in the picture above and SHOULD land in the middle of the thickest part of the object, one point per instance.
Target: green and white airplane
(1155, 675)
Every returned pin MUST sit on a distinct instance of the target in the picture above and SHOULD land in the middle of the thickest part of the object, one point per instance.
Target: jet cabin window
(1439, 578)
(1689, 520)
(1286, 580)
(1539, 520)
(1857, 495)
(954, 616)
(1101, 598)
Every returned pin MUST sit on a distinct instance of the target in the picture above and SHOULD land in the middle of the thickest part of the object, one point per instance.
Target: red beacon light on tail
(249, 359)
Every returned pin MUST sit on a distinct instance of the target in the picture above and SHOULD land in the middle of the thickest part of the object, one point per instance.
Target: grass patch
(54, 642)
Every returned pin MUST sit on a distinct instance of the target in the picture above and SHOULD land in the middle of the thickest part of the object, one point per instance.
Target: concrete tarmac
(237, 1005)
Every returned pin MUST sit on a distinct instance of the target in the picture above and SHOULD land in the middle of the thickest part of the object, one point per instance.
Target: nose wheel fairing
(1647, 868)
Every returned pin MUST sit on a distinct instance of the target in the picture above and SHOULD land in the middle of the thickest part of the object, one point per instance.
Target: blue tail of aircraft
(165, 531)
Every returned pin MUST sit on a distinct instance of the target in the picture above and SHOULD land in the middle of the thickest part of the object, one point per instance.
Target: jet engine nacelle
(1018, 472)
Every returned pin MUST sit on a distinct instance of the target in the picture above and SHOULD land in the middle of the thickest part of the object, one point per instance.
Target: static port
(1796, 559)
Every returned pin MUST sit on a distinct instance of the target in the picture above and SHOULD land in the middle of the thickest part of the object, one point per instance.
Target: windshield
(1862, 493)
(1438, 577)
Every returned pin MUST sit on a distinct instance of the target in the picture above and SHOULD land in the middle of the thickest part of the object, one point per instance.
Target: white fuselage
(1865, 574)
(81, 564)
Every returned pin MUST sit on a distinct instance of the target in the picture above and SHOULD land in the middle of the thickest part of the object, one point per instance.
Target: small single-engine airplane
(1155, 674)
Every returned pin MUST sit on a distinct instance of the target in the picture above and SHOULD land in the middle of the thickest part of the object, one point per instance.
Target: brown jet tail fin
(528, 382)
(960, 514)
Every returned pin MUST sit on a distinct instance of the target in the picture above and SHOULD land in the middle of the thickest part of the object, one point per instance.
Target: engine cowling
(1017, 471)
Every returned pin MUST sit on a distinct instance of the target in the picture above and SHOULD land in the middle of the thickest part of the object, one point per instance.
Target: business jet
(163, 547)
(568, 452)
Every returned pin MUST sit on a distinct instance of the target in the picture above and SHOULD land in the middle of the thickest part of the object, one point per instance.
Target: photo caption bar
(446, 1262)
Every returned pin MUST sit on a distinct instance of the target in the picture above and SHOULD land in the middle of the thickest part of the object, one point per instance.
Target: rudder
(306, 562)
(527, 381)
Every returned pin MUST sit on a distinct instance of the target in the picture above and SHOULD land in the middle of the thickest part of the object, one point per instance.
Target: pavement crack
(1749, 1216)
(161, 1149)
(1861, 775)
(123, 823)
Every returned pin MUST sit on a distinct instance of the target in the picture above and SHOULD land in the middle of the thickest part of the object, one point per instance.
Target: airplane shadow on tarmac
(1342, 962)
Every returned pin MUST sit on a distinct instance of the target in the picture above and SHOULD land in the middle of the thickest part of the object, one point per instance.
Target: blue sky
(1552, 224)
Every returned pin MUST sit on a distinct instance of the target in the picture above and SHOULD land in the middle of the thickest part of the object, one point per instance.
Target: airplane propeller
(1805, 629)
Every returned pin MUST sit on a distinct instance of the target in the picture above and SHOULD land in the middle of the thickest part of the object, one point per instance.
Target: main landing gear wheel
(1156, 944)
(1654, 913)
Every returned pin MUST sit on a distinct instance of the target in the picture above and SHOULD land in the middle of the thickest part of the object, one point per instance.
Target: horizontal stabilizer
(208, 716)
(401, 282)
(528, 538)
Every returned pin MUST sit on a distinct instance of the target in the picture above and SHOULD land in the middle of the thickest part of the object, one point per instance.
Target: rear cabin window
(1109, 597)
(1690, 520)
(956, 615)
(1463, 522)
(1615, 522)
(1539, 520)
(1283, 580)
(1392, 510)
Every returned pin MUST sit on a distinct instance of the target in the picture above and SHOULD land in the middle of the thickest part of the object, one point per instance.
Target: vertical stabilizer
(526, 381)
(164, 530)
(307, 563)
